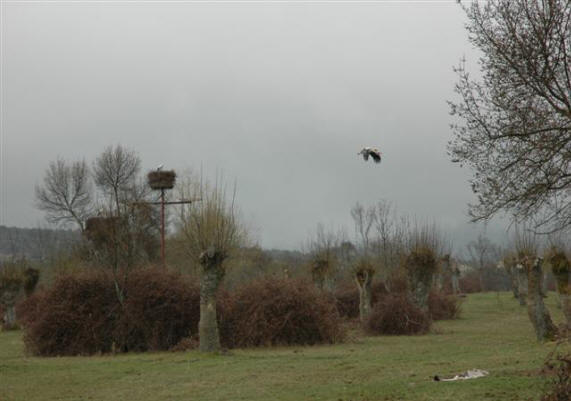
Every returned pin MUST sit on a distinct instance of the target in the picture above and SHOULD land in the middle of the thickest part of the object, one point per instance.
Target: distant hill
(33, 243)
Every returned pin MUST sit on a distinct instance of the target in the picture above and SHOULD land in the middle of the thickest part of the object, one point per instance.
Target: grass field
(493, 333)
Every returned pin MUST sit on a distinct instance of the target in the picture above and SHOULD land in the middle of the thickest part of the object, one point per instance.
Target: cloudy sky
(279, 96)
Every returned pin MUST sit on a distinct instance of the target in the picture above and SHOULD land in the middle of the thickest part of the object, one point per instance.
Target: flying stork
(373, 152)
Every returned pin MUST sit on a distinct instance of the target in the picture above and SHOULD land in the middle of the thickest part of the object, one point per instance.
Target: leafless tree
(364, 270)
(364, 219)
(483, 254)
(426, 245)
(212, 231)
(389, 238)
(530, 263)
(514, 124)
(324, 246)
(66, 194)
(115, 172)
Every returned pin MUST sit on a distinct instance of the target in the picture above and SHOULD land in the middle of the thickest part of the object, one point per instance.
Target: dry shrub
(442, 306)
(398, 282)
(160, 309)
(470, 282)
(347, 298)
(561, 386)
(187, 344)
(81, 315)
(74, 317)
(279, 312)
(396, 315)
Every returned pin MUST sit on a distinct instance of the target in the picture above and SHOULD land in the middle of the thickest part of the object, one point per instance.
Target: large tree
(513, 125)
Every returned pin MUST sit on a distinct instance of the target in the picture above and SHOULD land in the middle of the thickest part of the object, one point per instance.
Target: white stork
(373, 152)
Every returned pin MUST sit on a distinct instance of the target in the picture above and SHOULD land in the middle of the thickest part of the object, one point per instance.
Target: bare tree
(363, 274)
(115, 172)
(212, 231)
(364, 219)
(527, 248)
(514, 126)
(323, 248)
(561, 269)
(425, 246)
(66, 194)
(364, 269)
(483, 254)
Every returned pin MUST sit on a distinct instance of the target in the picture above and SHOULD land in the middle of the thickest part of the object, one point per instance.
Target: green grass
(493, 333)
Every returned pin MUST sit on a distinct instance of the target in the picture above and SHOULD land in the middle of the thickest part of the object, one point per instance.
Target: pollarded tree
(211, 231)
(514, 124)
(426, 245)
(323, 249)
(561, 269)
(363, 273)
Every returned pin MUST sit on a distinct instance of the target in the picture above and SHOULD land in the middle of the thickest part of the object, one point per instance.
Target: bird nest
(161, 179)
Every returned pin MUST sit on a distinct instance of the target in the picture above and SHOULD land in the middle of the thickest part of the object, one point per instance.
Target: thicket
(81, 314)
(347, 297)
(443, 306)
(396, 314)
(270, 311)
(560, 388)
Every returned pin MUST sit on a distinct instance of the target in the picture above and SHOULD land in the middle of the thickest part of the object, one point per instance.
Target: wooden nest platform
(161, 179)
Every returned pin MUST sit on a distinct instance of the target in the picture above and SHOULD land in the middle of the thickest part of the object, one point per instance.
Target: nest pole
(163, 180)
(163, 228)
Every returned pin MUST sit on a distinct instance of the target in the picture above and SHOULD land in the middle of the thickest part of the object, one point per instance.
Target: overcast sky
(278, 96)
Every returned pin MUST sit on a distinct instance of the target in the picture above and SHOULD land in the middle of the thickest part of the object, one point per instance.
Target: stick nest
(161, 179)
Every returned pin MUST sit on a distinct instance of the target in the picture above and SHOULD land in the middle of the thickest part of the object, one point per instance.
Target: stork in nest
(373, 152)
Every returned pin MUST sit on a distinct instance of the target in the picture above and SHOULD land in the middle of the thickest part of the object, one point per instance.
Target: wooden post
(163, 229)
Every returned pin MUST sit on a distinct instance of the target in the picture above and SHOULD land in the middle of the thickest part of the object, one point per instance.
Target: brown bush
(442, 306)
(160, 309)
(470, 282)
(81, 315)
(347, 298)
(74, 317)
(398, 282)
(279, 312)
(560, 389)
(396, 315)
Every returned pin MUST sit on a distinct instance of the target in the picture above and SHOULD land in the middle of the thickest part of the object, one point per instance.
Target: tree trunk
(514, 282)
(364, 284)
(536, 309)
(9, 322)
(418, 294)
(211, 277)
(8, 300)
(455, 281)
(522, 284)
(564, 292)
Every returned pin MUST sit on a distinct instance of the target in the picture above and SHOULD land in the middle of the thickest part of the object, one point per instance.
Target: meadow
(493, 333)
